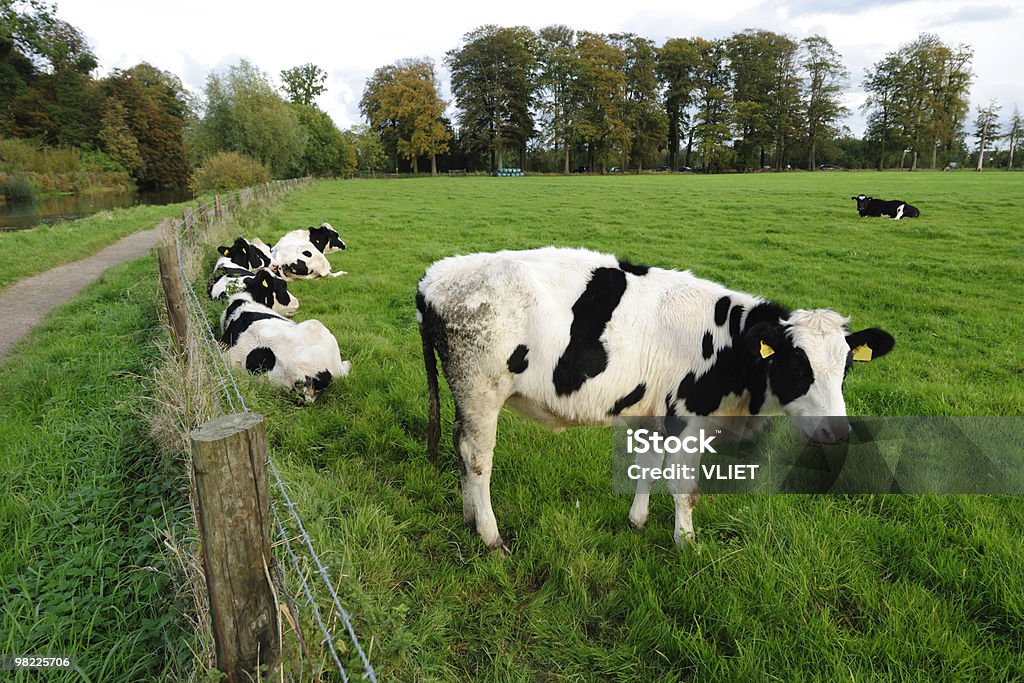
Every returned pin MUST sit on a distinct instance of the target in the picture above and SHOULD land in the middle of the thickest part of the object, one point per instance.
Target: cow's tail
(426, 324)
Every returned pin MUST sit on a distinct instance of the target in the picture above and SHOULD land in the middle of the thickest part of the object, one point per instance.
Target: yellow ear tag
(862, 353)
(265, 284)
(244, 251)
(766, 350)
(225, 251)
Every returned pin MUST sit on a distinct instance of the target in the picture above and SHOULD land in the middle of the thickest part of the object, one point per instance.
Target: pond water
(19, 216)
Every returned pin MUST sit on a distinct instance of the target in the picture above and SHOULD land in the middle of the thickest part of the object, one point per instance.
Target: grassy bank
(776, 588)
(86, 498)
(29, 252)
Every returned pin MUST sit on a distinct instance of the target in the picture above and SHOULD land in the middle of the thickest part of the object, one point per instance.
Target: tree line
(553, 100)
(559, 99)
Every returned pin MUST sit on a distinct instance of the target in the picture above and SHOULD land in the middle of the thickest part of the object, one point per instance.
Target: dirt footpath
(25, 303)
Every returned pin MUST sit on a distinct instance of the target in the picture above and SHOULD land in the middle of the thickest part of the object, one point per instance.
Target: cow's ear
(263, 279)
(870, 344)
(224, 251)
(764, 339)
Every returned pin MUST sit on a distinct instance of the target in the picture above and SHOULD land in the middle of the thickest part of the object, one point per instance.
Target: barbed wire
(209, 344)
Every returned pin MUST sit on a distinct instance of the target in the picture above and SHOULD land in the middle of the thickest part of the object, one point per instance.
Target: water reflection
(18, 216)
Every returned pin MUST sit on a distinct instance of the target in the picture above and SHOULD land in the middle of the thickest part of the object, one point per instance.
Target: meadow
(880, 587)
(775, 587)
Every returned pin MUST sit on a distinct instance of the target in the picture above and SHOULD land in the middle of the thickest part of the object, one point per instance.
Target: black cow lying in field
(895, 209)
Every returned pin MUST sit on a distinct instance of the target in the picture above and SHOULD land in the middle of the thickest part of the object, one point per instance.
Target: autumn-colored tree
(401, 102)
(156, 111)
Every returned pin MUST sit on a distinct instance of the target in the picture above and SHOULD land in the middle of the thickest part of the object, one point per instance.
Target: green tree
(645, 118)
(1016, 124)
(559, 68)
(327, 153)
(986, 129)
(243, 113)
(824, 78)
(495, 90)
(677, 61)
(766, 95)
(303, 84)
(371, 157)
(713, 104)
(600, 91)
(401, 102)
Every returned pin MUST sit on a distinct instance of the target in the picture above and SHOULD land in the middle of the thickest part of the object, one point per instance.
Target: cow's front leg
(641, 499)
(684, 486)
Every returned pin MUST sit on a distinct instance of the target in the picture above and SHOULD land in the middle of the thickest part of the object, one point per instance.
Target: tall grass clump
(62, 169)
(17, 189)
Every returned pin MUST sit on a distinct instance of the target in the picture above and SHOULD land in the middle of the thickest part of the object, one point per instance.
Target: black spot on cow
(736, 368)
(265, 288)
(242, 254)
(722, 310)
(735, 320)
(298, 268)
(517, 362)
(241, 323)
(707, 346)
(632, 398)
(790, 373)
(670, 405)
(307, 254)
(320, 380)
(585, 356)
(325, 237)
(633, 268)
(261, 359)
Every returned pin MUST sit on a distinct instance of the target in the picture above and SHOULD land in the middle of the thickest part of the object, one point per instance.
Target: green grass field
(818, 588)
(775, 588)
(87, 499)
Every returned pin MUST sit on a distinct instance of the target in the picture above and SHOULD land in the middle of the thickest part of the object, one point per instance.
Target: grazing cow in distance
(301, 357)
(895, 208)
(299, 254)
(572, 337)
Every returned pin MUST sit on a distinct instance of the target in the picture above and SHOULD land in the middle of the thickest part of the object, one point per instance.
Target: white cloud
(350, 40)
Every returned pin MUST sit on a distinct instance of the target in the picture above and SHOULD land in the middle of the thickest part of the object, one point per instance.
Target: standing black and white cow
(300, 254)
(894, 208)
(572, 337)
(302, 357)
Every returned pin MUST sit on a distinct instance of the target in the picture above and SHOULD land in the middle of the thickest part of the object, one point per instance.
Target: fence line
(187, 233)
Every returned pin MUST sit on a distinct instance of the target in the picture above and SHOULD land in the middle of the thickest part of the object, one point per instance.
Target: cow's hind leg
(475, 433)
(642, 498)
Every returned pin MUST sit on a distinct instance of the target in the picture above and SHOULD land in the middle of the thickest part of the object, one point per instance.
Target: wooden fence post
(174, 289)
(228, 461)
(204, 215)
(218, 209)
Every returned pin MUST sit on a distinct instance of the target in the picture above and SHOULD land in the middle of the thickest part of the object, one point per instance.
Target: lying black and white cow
(573, 337)
(271, 291)
(242, 254)
(895, 208)
(299, 254)
(302, 357)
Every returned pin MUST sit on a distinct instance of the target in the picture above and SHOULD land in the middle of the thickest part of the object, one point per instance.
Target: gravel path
(27, 302)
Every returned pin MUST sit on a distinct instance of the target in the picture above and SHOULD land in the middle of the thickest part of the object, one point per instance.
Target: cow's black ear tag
(766, 351)
(862, 353)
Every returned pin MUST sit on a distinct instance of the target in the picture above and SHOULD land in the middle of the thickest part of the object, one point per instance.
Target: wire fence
(187, 236)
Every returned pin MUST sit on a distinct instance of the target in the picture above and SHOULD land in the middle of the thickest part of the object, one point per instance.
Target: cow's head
(807, 357)
(243, 255)
(272, 292)
(862, 201)
(326, 238)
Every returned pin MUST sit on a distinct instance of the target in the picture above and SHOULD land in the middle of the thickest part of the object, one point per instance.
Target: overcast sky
(350, 40)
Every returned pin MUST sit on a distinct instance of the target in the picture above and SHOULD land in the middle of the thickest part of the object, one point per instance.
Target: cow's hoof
(499, 548)
(637, 525)
(683, 539)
